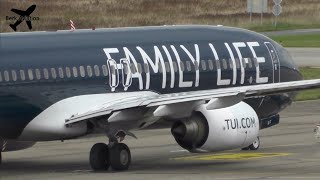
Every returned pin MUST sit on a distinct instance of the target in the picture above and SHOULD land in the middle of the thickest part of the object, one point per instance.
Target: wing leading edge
(154, 100)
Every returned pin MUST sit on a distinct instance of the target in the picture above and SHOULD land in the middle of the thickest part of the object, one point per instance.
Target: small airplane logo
(24, 15)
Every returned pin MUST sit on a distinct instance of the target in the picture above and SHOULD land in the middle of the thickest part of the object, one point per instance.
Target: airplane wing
(21, 13)
(217, 98)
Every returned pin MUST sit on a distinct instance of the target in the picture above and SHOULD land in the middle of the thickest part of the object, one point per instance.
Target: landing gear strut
(116, 155)
(254, 146)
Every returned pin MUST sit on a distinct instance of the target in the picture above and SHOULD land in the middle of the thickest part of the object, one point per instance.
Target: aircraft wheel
(99, 157)
(255, 145)
(0, 157)
(120, 157)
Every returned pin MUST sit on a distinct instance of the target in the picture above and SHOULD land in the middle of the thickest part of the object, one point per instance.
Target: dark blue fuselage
(39, 69)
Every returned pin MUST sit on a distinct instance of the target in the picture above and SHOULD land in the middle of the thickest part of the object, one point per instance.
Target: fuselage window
(218, 64)
(224, 64)
(14, 75)
(181, 65)
(210, 64)
(126, 68)
(82, 72)
(244, 63)
(203, 65)
(104, 70)
(175, 68)
(46, 73)
(166, 64)
(38, 74)
(139, 68)
(160, 67)
(96, 70)
(61, 74)
(22, 75)
(113, 70)
(188, 64)
(30, 74)
(68, 72)
(146, 68)
(237, 63)
(230, 64)
(133, 68)
(250, 80)
(249, 62)
(6, 76)
(196, 65)
(89, 71)
(255, 62)
(53, 73)
(75, 72)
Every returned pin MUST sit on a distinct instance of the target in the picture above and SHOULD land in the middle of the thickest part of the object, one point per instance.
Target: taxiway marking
(231, 156)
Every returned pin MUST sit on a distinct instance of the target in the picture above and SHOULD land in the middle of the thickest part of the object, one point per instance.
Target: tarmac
(292, 32)
(305, 56)
(289, 150)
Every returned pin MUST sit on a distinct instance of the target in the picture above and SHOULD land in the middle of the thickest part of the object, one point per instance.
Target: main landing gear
(254, 146)
(117, 155)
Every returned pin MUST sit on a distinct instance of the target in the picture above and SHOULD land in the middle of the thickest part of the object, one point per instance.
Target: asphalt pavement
(288, 151)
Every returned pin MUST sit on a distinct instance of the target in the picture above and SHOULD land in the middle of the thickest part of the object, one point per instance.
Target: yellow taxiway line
(231, 156)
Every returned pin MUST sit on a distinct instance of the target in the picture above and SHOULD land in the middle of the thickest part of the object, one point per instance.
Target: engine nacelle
(228, 128)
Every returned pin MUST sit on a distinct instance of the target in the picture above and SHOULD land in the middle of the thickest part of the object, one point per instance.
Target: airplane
(24, 15)
(216, 87)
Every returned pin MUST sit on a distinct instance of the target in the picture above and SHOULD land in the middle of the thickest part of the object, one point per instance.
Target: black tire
(120, 157)
(255, 145)
(245, 149)
(0, 157)
(99, 157)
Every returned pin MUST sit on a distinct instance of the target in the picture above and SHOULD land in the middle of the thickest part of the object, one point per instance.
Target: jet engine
(227, 128)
